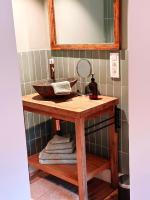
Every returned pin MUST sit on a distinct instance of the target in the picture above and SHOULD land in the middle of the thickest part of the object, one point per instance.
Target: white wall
(139, 98)
(31, 24)
(14, 183)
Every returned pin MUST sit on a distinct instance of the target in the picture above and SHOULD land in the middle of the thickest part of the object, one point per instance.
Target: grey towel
(48, 156)
(61, 151)
(61, 88)
(50, 146)
(50, 162)
(59, 140)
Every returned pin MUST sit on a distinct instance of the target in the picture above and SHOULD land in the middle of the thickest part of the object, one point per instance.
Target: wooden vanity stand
(78, 109)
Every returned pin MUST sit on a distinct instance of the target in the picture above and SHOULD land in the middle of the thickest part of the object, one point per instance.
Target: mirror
(84, 68)
(84, 24)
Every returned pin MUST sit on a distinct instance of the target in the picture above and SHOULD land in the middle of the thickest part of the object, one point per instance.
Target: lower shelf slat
(68, 172)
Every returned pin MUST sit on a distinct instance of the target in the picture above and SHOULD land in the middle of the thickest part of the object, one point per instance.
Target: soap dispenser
(93, 89)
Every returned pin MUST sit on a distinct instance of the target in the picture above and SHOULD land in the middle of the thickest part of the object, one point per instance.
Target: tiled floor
(43, 189)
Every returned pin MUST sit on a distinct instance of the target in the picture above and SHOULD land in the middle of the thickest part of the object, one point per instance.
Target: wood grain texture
(100, 190)
(81, 159)
(52, 27)
(103, 46)
(77, 109)
(69, 109)
(112, 196)
(95, 165)
(97, 189)
(113, 146)
(117, 24)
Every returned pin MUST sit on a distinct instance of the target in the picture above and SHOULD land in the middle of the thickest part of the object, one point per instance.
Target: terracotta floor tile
(42, 189)
(58, 195)
(38, 188)
(52, 188)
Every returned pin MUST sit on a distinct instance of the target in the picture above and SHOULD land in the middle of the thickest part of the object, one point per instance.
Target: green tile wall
(65, 65)
(34, 66)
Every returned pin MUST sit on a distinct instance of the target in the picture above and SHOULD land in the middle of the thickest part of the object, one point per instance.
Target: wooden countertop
(75, 107)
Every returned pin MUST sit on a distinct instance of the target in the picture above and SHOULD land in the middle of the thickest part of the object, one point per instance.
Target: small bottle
(52, 69)
(93, 89)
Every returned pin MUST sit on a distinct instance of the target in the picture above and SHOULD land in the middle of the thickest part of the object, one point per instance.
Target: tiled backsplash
(65, 65)
(34, 66)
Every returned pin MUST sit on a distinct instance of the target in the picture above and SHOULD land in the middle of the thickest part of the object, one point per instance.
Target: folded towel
(61, 88)
(50, 146)
(61, 151)
(47, 156)
(50, 162)
(59, 140)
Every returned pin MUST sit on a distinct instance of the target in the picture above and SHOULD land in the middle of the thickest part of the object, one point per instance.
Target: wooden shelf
(68, 172)
(78, 110)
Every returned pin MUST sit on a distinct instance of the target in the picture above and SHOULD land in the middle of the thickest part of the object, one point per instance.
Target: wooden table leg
(55, 126)
(113, 142)
(81, 159)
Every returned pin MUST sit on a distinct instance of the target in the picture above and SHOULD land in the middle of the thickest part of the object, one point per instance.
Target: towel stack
(59, 150)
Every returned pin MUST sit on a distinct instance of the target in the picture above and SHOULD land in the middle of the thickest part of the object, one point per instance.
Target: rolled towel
(48, 156)
(61, 88)
(59, 140)
(57, 162)
(61, 151)
(50, 146)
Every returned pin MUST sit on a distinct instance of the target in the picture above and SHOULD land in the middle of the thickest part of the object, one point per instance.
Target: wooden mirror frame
(102, 46)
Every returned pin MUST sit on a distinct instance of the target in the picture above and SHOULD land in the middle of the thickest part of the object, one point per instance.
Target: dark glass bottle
(93, 89)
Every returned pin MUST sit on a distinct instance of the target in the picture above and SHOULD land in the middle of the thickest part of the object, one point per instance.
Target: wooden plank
(102, 46)
(77, 109)
(105, 46)
(112, 196)
(113, 145)
(48, 113)
(98, 189)
(81, 159)
(97, 114)
(117, 25)
(66, 172)
(95, 165)
(73, 108)
(52, 27)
